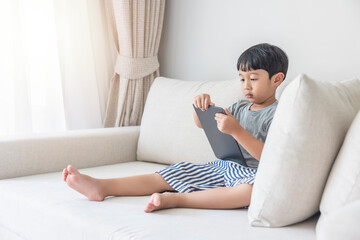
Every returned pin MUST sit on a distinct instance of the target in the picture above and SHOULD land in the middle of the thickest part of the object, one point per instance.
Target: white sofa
(36, 204)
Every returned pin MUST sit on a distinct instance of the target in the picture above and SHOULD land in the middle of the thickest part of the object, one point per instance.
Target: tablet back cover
(224, 145)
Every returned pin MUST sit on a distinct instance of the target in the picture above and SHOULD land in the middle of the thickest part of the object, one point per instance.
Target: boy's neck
(257, 107)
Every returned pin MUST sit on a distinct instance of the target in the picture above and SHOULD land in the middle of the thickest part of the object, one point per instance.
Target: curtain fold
(136, 26)
(56, 61)
(30, 83)
(86, 60)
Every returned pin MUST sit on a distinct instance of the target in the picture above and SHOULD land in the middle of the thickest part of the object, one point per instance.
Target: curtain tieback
(136, 68)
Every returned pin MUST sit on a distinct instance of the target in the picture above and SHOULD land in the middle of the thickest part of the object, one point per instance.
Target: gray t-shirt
(257, 123)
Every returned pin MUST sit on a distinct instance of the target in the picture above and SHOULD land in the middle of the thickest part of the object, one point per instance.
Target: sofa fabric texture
(168, 133)
(42, 207)
(342, 186)
(306, 134)
(42, 153)
(341, 223)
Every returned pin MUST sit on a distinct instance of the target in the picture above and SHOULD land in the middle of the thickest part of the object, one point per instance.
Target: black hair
(264, 56)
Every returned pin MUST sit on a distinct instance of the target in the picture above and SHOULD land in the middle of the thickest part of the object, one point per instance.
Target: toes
(72, 170)
(154, 203)
(156, 200)
(148, 208)
(152, 198)
(65, 174)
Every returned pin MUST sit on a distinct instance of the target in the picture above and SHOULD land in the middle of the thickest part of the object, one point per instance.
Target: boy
(218, 184)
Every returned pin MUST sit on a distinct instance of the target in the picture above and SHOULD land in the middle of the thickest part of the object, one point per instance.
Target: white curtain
(136, 26)
(56, 60)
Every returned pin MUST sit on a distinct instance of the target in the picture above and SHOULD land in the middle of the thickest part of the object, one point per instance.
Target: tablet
(225, 147)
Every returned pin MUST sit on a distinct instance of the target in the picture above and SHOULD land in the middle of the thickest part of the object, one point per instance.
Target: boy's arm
(229, 125)
(249, 142)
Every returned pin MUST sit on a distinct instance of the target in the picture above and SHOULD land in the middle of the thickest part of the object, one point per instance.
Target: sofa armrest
(38, 154)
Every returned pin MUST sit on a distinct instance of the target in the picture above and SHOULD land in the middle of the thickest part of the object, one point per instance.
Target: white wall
(202, 39)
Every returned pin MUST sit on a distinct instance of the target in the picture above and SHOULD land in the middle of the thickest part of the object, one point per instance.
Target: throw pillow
(306, 134)
(342, 223)
(343, 184)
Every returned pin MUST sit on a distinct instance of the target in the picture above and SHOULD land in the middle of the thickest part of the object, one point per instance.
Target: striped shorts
(188, 177)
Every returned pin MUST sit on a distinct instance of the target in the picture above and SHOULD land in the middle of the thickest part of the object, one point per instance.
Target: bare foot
(161, 201)
(84, 184)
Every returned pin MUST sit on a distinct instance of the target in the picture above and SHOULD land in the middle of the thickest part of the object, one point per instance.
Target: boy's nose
(247, 85)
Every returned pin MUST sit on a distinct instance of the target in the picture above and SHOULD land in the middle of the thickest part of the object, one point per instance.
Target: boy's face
(258, 88)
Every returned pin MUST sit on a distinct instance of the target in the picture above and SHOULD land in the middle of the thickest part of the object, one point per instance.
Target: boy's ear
(278, 78)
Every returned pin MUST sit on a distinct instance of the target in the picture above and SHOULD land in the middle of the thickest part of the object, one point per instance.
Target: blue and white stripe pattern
(188, 177)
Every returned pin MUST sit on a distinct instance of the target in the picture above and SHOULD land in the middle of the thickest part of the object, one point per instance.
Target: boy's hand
(203, 101)
(226, 123)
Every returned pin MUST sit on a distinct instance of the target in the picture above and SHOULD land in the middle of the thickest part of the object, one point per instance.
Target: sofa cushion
(306, 134)
(168, 133)
(43, 207)
(342, 223)
(343, 184)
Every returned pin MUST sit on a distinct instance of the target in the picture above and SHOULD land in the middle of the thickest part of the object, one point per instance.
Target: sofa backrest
(168, 133)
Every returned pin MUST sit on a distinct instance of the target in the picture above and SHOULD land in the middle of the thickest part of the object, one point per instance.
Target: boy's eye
(253, 79)
(241, 80)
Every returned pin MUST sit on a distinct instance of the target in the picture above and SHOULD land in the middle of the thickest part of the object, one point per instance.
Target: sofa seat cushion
(43, 207)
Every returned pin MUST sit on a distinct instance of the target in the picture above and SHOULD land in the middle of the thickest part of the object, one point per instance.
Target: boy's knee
(163, 183)
(244, 191)
(244, 187)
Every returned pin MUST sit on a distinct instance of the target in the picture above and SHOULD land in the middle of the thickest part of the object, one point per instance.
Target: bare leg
(97, 189)
(217, 198)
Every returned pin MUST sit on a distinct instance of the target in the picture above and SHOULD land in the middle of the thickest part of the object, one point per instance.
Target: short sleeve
(267, 125)
(269, 120)
(233, 109)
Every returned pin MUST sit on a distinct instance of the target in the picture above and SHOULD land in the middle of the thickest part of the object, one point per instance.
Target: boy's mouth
(248, 95)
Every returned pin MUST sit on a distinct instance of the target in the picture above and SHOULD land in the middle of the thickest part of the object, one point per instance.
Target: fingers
(203, 101)
(206, 103)
(196, 102)
(219, 116)
(227, 112)
(203, 98)
(219, 122)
